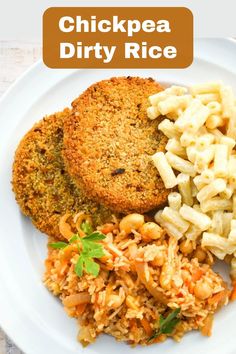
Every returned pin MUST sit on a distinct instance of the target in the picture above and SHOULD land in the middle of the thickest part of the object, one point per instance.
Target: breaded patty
(42, 188)
(108, 141)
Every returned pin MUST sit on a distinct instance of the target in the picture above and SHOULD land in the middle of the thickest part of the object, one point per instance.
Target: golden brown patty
(108, 141)
(43, 189)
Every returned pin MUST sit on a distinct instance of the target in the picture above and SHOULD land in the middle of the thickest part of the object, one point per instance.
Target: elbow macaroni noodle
(200, 161)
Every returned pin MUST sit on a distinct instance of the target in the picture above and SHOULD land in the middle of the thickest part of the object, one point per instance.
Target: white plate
(30, 315)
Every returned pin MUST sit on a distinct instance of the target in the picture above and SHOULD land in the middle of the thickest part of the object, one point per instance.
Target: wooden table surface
(15, 58)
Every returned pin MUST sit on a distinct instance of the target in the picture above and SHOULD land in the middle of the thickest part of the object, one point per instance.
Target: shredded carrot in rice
(146, 326)
(133, 326)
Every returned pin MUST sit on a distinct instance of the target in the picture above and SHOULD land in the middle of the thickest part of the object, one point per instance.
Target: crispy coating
(108, 141)
(43, 190)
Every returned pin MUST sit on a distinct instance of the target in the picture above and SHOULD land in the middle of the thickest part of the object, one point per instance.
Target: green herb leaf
(58, 245)
(87, 264)
(166, 325)
(95, 236)
(91, 267)
(88, 245)
(73, 238)
(90, 249)
(96, 253)
(86, 227)
(79, 266)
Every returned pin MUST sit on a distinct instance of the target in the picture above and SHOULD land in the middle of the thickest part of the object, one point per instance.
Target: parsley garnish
(88, 249)
(58, 245)
(61, 245)
(166, 325)
(73, 239)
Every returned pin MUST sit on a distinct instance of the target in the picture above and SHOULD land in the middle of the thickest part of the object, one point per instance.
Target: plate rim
(39, 66)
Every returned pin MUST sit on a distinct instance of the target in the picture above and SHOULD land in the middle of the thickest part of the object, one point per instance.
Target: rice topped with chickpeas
(144, 287)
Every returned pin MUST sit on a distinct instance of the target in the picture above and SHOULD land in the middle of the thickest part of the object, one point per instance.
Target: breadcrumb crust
(43, 189)
(109, 131)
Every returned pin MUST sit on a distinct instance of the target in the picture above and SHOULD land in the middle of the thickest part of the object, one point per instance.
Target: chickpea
(202, 290)
(131, 222)
(186, 247)
(150, 231)
(115, 301)
(200, 254)
(158, 261)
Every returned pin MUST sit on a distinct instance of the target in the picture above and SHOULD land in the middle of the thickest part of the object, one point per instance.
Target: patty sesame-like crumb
(43, 189)
(108, 141)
